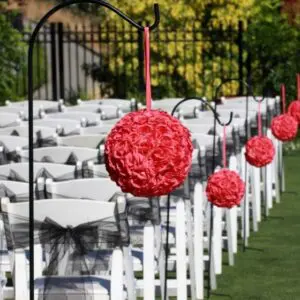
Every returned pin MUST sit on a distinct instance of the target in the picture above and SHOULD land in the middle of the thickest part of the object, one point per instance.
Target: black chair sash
(7, 156)
(80, 253)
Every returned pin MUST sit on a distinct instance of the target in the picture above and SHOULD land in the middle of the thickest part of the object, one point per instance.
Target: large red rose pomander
(284, 127)
(148, 153)
(225, 188)
(294, 110)
(260, 151)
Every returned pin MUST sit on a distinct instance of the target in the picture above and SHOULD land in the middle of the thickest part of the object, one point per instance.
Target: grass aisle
(270, 268)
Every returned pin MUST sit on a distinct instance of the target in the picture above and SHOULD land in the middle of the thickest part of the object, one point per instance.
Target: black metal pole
(246, 171)
(141, 61)
(211, 217)
(241, 52)
(31, 170)
(53, 61)
(167, 247)
(30, 109)
(61, 60)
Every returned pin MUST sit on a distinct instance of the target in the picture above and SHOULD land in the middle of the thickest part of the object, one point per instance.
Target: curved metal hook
(259, 101)
(101, 3)
(157, 17)
(214, 111)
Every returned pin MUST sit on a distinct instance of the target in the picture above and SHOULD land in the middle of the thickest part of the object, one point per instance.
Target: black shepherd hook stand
(30, 105)
(259, 101)
(216, 119)
(249, 91)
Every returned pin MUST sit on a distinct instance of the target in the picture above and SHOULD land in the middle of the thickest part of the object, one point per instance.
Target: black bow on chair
(74, 255)
(44, 142)
(7, 193)
(143, 210)
(14, 133)
(71, 160)
(7, 156)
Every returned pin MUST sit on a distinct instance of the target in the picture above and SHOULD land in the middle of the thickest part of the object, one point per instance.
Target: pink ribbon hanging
(283, 97)
(224, 152)
(298, 87)
(147, 68)
(259, 119)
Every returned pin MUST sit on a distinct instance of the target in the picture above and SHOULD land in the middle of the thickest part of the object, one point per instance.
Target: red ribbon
(283, 97)
(147, 68)
(298, 86)
(224, 148)
(259, 119)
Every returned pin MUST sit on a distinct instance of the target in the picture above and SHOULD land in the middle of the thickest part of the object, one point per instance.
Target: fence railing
(107, 61)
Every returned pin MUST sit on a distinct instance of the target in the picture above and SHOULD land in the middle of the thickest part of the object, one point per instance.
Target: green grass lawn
(270, 268)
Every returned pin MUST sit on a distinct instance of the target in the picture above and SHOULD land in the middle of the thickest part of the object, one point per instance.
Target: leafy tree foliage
(11, 56)
(274, 44)
(197, 45)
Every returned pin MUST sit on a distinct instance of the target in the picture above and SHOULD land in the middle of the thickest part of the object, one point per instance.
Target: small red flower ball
(284, 127)
(148, 153)
(294, 110)
(225, 188)
(260, 151)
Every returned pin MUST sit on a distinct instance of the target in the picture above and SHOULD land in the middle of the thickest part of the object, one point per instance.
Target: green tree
(12, 51)
(274, 44)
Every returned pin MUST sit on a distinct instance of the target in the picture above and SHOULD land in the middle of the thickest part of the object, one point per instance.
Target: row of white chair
(193, 234)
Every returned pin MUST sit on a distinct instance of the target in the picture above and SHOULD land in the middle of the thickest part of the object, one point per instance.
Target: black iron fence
(107, 61)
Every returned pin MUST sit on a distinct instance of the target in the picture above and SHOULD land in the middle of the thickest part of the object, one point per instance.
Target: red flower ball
(260, 151)
(284, 127)
(225, 188)
(294, 110)
(148, 153)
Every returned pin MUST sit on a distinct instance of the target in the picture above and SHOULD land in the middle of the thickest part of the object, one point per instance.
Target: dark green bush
(274, 44)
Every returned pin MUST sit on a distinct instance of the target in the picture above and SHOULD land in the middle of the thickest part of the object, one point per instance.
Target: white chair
(22, 112)
(242, 100)
(123, 104)
(85, 118)
(20, 171)
(83, 108)
(187, 109)
(23, 131)
(61, 155)
(83, 211)
(9, 119)
(105, 111)
(43, 136)
(98, 170)
(87, 140)
(62, 126)
(238, 112)
(90, 189)
(12, 142)
(9, 146)
(45, 105)
(83, 188)
(18, 191)
(198, 242)
(109, 112)
(101, 129)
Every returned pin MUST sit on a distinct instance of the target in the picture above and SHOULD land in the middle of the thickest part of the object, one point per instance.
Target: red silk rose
(225, 188)
(260, 151)
(284, 127)
(294, 110)
(148, 153)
